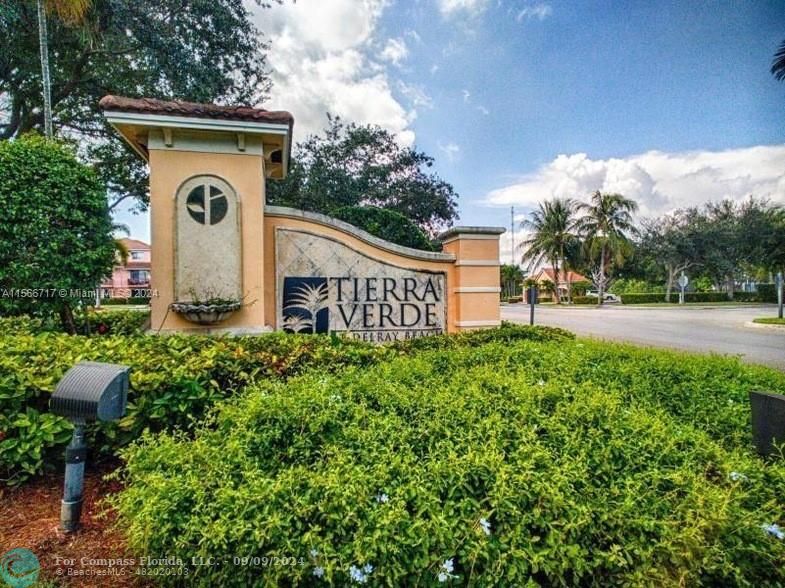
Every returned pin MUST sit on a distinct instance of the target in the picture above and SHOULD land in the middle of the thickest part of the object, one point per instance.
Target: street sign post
(780, 285)
(532, 301)
(683, 281)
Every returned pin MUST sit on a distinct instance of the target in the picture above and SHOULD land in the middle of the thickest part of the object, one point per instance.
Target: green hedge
(764, 294)
(520, 464)
(105, 322)
(767, 293)
(584, 299)
(174, 379)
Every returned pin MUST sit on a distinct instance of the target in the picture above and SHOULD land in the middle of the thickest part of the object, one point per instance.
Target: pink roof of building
(547, 273)
(134, 244)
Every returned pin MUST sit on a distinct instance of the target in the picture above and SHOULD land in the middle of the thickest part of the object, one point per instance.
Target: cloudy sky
(670, 103)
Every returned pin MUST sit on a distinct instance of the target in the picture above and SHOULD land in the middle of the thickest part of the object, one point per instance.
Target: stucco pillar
(208, 165)
(474, 289)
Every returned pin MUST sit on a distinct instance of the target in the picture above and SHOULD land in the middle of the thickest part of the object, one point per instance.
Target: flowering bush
(514, 463)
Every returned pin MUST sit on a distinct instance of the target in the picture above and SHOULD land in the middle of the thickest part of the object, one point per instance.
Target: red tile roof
(570, 276)
(194, 109)
(134, 244)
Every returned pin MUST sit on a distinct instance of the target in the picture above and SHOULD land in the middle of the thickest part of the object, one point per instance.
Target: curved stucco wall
(289, 220)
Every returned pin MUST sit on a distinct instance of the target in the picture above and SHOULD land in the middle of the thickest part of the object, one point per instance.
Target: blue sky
(671, 103)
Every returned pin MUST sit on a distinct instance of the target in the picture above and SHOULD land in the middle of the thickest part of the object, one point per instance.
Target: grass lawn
(770, 321)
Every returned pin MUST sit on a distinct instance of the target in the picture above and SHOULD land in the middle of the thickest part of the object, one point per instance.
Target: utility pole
(512, 232)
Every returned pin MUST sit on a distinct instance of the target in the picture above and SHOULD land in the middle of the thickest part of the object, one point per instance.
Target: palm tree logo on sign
(305, 305)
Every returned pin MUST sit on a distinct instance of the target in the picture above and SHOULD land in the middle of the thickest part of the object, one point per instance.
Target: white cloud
(434, 68)
(451, 151)
(453, 7)
(535, 11)
(483, 110)
(467, 96)
(660, 182)
(416, 95)
(321, 61)
(395, 51)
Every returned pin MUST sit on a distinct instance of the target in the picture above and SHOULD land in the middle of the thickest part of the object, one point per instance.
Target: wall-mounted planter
(205, 314)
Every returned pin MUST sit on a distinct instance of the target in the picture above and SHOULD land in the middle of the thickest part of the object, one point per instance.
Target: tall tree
(201, 50)
(551, 232)
(672, 241)
(607, 225)
(364, 165)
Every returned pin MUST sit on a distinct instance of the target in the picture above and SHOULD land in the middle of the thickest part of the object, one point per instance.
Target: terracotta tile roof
(194, 109)
(570, 276)
(134, 244)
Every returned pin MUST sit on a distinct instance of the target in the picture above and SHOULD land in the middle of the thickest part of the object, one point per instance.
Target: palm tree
(71, 12)
(551, 229)
(605, 224)
(778, 64)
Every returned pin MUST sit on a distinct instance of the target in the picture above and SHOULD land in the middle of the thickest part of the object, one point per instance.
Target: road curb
(750, 324)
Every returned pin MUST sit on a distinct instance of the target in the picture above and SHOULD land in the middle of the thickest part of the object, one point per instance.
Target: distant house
(128, 279)
(547, 274)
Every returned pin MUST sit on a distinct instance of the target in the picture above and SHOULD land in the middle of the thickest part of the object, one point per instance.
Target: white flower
(486, 526)
(360, 575)
(446, 570)
(541, 382)
(318, 571)
(314, 552)
(738, 477)
(382, 498)
(774, 530)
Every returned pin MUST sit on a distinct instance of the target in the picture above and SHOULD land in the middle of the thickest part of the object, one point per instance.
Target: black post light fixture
(89, 391)
(768, 421)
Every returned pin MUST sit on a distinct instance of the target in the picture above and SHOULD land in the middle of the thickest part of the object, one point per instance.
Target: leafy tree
(202, 50)
(673, 242)
(385, 224)
(55, 236)
(607, 225)
(363, 165)
(551, 231)
(510, 279)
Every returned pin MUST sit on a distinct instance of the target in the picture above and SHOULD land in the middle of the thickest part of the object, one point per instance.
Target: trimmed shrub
(767, 293)
(514, 299)
(646, 298)
(584, 299)
(174, 379)
(117, 322)
(552, 464)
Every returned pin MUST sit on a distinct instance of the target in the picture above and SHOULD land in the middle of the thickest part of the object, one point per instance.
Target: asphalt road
(703, 329)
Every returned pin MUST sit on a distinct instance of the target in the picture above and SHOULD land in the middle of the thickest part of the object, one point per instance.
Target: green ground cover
(490, 463)
(769, 321)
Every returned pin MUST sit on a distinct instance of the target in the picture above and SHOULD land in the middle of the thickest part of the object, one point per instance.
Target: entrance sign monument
(216, 243)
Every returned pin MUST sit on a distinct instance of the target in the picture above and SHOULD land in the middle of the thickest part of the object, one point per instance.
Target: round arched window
(207, 200)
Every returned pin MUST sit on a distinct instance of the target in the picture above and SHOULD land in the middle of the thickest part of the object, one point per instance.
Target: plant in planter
(206, 311)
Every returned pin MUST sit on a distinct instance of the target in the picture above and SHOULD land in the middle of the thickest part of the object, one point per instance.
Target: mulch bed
(30, 518)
